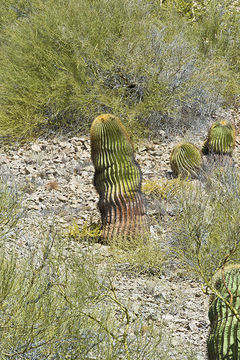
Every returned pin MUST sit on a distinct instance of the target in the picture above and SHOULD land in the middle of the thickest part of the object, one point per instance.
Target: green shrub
(139, 255)
(166, 189)
(219, 35)
(58, 303)
(66, 61)
(63, 62)
(11, 11)
(206, 230)
(88, 231)
(189, 8)
(11, 211)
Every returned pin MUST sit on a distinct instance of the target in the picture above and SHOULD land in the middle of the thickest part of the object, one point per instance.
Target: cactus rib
(224, 337)
(185, 160)
(117, 178)
(221, 138)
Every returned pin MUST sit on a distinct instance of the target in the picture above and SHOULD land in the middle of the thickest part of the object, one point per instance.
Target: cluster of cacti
(185, 160)
(224, 337)
(117, 178)
(221, 138)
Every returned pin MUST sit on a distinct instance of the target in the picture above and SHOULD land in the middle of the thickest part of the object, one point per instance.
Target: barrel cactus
(117, 178)
(224, 337)
(221, 138)
(185, 160)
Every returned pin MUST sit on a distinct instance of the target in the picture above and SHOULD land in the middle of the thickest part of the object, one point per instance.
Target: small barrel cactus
(221, 138)
(224, 337)
(185, 160)
(117, 178)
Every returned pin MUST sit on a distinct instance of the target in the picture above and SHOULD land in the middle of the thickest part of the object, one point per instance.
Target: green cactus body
(117, 178)
(185, 160)
(221, 138)
(224, 337)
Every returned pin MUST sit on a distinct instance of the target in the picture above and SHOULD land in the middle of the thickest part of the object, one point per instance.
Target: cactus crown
(108, 133)
(185, 160)
(112, 153)
(221, 138)
(224, 279)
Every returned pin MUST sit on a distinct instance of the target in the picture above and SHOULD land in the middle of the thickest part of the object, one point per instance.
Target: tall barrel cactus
(185, 160)
(221, 138)
(224, 337)
(117, 178)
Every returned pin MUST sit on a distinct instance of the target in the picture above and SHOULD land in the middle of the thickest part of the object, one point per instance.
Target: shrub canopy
(64, 62)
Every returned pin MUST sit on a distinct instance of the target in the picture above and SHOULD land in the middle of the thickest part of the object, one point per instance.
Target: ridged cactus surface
(117, 178)
(224, 338)
(185, 160)
(221, 138)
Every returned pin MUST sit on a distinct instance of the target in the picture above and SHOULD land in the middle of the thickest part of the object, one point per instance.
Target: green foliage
(117, 178)
(67, 61)
(219, 35)
(165, 189)
(63, 62)
(185, 160)
(223, 340)
(219, 26)
(221, 138)
(57, 303)
(205, 228)
(88, 231)
(143, 255)
(11, 210)
(44, 307)
(189, 8)
(10, 11)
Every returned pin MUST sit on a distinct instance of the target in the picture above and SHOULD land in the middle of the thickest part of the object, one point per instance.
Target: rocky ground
(56, 175)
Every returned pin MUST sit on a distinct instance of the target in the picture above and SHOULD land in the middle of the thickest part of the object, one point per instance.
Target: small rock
(62, 198)
(29, 170)
(192, 326)
(36, 148)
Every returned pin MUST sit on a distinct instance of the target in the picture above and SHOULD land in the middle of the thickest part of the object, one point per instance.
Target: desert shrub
(219, 27)
(42, 310)
(165, 189)
(206, 234)
(68, 60)
(11, 210)
(57, 303)
(88, 232)
(10, 11)
(188, 8)
(219, 34)
(64, 62)
(140, 255)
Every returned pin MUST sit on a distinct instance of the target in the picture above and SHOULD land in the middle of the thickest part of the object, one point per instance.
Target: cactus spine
(117, 178)
(221, 138)
(224, 337)
(185, 160)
